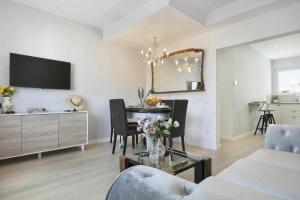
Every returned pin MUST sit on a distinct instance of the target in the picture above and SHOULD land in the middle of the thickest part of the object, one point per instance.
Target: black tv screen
(28, 71)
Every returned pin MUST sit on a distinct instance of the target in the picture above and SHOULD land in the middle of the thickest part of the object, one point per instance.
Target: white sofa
(270, 173)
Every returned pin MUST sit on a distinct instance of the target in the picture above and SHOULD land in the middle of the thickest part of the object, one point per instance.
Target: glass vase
(161, 150)
(7, 105)
(153, 149)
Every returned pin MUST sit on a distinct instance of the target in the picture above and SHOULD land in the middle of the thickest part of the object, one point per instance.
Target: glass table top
(179, 162)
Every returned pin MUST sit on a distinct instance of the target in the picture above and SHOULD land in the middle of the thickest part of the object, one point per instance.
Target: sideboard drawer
(72, 129)
(39, 133)
(10, 136)
(277, 113)
(292, 120)
(292, 112)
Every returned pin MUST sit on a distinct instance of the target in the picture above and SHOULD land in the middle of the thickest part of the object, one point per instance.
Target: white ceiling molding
(134, 17)
(208, 14)
(234, 9)
(191, 9)
(239, 8)
(121, 20)
(168, 24)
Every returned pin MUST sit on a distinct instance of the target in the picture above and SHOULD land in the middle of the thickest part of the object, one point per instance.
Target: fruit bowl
(152, 101)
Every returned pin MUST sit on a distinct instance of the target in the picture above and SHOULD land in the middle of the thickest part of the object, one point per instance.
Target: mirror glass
(181, 71)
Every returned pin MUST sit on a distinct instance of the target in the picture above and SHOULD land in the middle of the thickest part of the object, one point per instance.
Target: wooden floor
(72, 174)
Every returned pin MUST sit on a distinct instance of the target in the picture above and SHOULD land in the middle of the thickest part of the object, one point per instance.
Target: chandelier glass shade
(151, 54)
(183, 63)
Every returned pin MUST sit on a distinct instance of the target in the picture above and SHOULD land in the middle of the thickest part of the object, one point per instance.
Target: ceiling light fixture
(151, 54)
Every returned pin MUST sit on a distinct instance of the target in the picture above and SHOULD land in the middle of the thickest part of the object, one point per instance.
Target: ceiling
(95, 13)
(127, 20)
(177, 23)
(283, 47)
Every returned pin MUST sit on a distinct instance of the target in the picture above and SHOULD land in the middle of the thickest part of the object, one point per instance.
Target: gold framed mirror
(179, 71)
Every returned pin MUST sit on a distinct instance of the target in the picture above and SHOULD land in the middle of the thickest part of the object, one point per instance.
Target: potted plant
(154, 130)
(275, 98)
(7, 92)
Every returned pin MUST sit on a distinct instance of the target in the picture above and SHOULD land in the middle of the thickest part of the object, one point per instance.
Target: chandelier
(151, 54)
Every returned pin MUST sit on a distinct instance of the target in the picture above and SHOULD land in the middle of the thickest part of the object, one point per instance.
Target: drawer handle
(293, 111)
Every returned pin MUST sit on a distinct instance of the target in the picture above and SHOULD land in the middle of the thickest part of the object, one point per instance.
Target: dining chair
(112, 130)
(120, 124)
(168, 102)
(178, 113)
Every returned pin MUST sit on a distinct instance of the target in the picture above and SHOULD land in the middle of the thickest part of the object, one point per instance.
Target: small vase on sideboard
(7, 105)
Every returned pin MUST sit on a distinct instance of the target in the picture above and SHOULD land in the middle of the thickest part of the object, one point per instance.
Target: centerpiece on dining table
(154, 130)
(147, 100)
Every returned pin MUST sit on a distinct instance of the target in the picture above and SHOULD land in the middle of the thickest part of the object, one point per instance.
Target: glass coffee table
(174, 162)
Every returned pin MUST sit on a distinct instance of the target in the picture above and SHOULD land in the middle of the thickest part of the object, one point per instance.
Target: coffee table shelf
(181, 162)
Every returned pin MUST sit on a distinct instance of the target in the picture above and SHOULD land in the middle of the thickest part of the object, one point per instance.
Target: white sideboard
(286, 113)
(23, 134)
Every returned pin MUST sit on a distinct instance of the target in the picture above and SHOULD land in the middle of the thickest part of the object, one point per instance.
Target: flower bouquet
(154, 130)
(7, 92)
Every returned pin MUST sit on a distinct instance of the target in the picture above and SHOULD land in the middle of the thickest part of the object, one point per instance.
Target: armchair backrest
(283, 138)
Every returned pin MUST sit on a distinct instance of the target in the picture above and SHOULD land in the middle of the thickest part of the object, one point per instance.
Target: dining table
(136, 113)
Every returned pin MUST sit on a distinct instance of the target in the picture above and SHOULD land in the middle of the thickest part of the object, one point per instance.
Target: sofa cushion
(214, 188)
(271, 179)
(147, 183)
(278, 158)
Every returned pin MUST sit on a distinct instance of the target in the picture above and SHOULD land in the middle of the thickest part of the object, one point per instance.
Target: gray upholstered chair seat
(146, 183)
(263, 177)
(279, 158)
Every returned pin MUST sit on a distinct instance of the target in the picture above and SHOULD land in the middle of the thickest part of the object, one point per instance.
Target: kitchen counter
(286, 112)
(286, 103)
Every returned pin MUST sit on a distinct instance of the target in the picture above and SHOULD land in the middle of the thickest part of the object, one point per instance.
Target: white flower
(167, 126)
(176, 124)
(152, 130)
(170, 121)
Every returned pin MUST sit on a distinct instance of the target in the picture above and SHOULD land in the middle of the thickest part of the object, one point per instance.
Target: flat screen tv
(33, 72)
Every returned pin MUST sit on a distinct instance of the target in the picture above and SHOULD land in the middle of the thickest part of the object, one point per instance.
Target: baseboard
(234, 138)
(100, 140)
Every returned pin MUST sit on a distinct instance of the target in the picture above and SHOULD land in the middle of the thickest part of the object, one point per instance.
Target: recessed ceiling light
(282, 52)
(275, 46)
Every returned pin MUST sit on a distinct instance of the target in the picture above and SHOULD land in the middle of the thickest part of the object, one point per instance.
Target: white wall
(100, 70)
(252, 71)
(203, 125)
(281, 64)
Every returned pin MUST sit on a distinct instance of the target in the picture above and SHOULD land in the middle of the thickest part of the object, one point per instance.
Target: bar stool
(265, 119)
